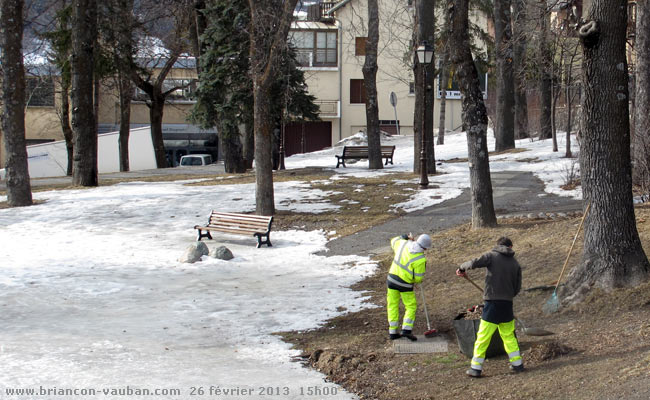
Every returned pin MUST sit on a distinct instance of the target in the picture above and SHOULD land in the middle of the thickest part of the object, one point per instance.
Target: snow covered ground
(94, 304)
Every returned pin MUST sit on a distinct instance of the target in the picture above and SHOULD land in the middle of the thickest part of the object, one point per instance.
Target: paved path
(513, 193)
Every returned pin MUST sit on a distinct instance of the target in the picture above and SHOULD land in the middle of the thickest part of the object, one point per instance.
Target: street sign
(393, 102)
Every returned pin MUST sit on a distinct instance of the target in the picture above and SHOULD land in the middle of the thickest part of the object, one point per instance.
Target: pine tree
(225, 92)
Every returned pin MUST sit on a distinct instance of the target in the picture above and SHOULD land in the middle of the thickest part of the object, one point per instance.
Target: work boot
(474, 373)
(394, 336)
(409, 335)
(517, 368)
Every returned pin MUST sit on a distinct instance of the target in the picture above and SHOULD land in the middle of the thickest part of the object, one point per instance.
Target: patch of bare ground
(601, 348)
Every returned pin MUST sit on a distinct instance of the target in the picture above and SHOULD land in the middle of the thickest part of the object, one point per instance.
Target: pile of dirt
(547, 351)
(334, 363)
(474, 312)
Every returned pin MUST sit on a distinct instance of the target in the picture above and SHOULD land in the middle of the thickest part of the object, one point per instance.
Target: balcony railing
(328, 108)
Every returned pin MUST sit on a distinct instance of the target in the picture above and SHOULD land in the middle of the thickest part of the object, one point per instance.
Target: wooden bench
(241, 224)
(359, 152)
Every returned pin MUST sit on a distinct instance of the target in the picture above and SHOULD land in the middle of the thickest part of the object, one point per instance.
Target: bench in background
(361, 152)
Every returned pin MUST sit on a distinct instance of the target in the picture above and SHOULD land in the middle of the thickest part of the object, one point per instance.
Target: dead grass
(607, 333)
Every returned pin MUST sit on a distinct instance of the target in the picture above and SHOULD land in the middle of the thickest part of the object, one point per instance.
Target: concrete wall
(51, 159)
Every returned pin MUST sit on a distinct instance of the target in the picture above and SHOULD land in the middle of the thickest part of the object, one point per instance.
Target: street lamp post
(424, 54)
(282, 132)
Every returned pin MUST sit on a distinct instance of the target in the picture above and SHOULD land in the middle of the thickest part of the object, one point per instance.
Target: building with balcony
(330, 40)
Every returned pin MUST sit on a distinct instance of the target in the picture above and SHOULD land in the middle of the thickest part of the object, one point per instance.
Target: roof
(312, 25)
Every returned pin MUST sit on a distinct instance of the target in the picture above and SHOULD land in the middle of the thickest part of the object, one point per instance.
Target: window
(39, 91)
(185, 89)
(411, 87)
(357, 91)
(315, 48)
(360, 46)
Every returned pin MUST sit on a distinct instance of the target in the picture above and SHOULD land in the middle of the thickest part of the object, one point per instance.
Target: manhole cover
(436, 344)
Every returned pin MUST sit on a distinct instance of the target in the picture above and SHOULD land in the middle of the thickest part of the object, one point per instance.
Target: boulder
(194, 252)
(222, 253)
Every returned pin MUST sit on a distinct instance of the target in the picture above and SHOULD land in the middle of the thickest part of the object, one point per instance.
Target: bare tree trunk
(19, 192)
(444, 73)
(270, 23)
(199, 24)
(569, 101)
(370, 82)
(249, 143)
(505, 113)
(84, 34)
(567, 89)
(555, 93)
(642, 96)
(545, 78)
(264, 196)
(65, 122)
(475, 118)
(425, 24)
(613, 255)
(156, 105)
(156, 109)
(123, 58)
(444, 83)
(126, 92)
(520, 44)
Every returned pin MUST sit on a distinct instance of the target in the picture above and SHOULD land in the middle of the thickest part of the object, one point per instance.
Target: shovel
(530, 331)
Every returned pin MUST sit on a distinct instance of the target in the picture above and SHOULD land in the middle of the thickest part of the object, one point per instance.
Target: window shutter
(357, 91)
(360, 46)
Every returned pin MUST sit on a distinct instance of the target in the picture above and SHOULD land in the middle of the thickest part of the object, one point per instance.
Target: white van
(195, 159)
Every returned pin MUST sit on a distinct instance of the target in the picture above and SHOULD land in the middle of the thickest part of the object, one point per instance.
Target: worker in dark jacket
(502, 284)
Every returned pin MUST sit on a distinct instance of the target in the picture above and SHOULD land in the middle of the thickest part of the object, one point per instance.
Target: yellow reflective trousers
(483, 337)
(392, 306)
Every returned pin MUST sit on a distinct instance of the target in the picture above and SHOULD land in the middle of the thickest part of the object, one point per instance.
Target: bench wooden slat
(242, 224)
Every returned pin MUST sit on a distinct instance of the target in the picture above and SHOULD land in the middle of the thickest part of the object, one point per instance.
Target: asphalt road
(216, 168)
(513, 193)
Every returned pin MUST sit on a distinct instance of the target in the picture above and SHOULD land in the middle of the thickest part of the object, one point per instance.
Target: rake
(553, 303)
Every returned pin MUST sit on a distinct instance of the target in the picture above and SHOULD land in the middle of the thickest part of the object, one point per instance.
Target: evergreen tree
(225, 92)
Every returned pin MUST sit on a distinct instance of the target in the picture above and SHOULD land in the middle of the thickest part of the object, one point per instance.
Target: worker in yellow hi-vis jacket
(407, 269)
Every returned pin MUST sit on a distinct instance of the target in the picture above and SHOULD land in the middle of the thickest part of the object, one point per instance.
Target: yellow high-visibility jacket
(408, 267)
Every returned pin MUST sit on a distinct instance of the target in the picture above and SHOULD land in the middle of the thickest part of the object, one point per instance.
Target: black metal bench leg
(204, 235)
(260, 242)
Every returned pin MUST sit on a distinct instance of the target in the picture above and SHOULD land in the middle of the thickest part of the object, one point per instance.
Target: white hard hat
(424, 241)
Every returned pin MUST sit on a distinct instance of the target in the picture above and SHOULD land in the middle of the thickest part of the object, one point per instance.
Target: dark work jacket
(503, 278)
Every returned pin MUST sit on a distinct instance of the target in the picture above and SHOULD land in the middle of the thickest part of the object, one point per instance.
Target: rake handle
(571, 248)
(473, 283)
(424, 303)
